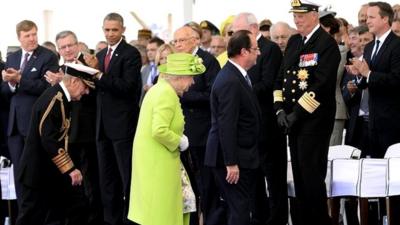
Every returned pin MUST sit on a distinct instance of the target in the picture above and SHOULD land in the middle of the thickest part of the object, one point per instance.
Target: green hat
(181, 64)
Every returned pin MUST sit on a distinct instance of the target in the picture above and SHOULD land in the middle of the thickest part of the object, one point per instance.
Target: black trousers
(239, 197)
(309, 156)
(273, 169)
(84, 156)
(362, 138)
(115, 158)
(56, 203)
(16, 143)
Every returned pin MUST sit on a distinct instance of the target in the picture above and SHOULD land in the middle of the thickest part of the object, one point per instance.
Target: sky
(84, 17)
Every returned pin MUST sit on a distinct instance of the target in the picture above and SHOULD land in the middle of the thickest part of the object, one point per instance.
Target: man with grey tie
(380, 71)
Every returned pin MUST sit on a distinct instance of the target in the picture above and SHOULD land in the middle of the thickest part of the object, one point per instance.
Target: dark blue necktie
(373, 59)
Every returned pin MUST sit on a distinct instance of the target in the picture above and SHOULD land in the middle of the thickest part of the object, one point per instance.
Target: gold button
(293, 100)
(284, 80)
(283, 89)
(294, 81)
(284, 98)
(293, 91)
(294, 72)
(288, 71)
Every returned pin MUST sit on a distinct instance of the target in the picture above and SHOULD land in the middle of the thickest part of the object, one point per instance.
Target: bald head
(245, 21)
(185, 40)
(280, 33)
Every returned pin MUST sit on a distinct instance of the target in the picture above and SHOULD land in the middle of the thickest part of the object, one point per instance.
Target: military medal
(302, 75)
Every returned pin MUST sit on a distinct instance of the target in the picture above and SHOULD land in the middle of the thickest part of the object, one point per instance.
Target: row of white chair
(347, 175)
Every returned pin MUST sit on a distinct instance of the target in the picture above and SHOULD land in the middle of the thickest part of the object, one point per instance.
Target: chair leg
(363, 211)
(393, 205)
(334, 208)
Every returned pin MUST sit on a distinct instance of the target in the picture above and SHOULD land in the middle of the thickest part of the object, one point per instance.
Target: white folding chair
(372, 184)
(393, 151)
(393, 182)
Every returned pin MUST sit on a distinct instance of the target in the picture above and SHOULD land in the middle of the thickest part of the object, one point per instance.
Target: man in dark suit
(304, 99)
(118, 94)
(83, 127)
(272, 143)
(357, 131)
(51, 192)
(380, 70)
(196, 108)
(23, 79)
(232, 145)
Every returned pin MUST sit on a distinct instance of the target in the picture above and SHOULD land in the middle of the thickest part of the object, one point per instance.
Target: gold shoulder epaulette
(308, 102)
(63, 161)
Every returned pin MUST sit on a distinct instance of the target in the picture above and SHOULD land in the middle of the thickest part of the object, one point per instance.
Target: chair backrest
(343, 152)
(393, 177)
(373, 178)
(345, 175)
(393, 151)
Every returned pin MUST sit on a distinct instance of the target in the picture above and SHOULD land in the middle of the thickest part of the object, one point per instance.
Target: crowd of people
(195, 130)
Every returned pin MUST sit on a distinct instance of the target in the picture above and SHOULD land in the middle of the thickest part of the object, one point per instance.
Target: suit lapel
(31, 62)
(246, 86)
(383, 48)
(116, 54)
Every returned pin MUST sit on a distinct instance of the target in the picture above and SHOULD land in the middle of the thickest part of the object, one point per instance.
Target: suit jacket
(352, 102)
(383, 86)
(83, 117)
(37, 168)
(263, 76)
(235, 125)
(196, 101)
(118, 92)
(341, 110)
(31, 86)
(307, 81)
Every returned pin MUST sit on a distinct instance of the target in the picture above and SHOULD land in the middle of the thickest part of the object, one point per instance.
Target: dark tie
(107, 59)
(26, 57)
(303, 40)
(248, 80)
(153, 72)
(373, 59)
(364, 102)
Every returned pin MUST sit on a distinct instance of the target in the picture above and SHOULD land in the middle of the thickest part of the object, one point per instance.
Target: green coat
(156, 190)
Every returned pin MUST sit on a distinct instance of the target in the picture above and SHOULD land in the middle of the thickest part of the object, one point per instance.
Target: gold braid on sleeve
(62, 160)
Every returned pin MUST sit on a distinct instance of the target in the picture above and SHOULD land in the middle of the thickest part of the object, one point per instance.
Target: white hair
(279, 24)
(247, 17)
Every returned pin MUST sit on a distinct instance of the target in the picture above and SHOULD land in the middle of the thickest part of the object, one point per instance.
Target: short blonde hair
(162, 48)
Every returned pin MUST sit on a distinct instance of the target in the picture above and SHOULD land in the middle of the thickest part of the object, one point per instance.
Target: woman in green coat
(157, 195)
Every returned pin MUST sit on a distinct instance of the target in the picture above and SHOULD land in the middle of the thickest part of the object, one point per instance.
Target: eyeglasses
(174, 42)
(255, 49)
(67, 46)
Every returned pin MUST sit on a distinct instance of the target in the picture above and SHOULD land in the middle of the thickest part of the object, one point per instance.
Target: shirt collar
(24, 52)
(195, 50)
(258, 36)
(65, 91)
(383, 37)
(113, 47)
(312, 32)
(242, 71)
